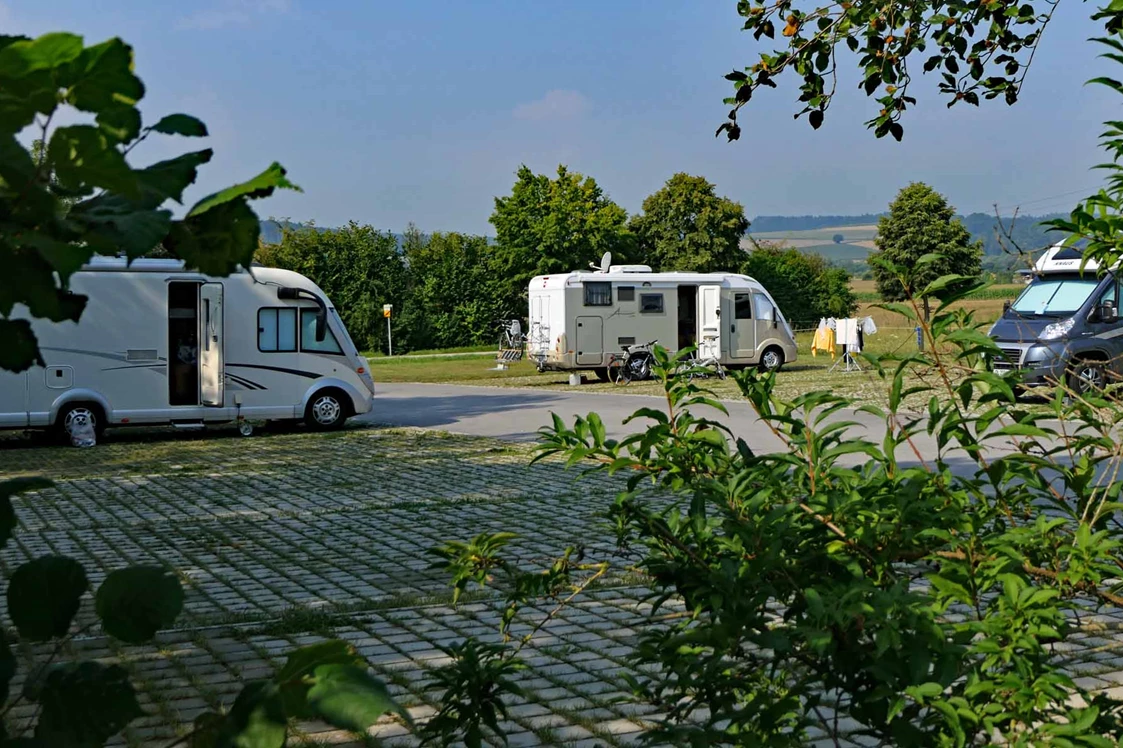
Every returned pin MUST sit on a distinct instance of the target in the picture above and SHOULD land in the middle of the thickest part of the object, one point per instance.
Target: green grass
(435, 351)
(992, 293)
(472, 368)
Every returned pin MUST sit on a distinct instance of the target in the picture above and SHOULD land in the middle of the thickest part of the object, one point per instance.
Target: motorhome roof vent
(630, 269)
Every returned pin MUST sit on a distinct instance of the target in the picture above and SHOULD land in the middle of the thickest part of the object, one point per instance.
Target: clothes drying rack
(849, 363)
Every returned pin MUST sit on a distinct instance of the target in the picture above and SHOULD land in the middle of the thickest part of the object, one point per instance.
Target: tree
(78, 196)
(455, 288)
(982, 50)
(686, 226)
(553, 226)
(838, 238)
(805, 286)
(920, 223)
(357, 266)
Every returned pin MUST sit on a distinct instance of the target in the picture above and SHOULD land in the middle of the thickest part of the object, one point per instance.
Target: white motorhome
(157, 344)
(579, 320)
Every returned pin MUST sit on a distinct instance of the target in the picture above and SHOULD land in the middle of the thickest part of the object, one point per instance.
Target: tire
(71, 412)
(602, 373)
(1086, 376)
(771, 360)
(639, 369)
(327, 410)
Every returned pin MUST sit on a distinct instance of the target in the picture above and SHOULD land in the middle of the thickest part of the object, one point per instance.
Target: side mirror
(1005, 306)
(321, 326)
(1108, 313)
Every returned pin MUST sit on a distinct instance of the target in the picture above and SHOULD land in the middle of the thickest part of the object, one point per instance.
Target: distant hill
(817, 234)
(271, 231)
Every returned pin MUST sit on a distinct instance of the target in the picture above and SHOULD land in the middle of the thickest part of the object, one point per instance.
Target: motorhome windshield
(349, 344)
(1055, 297)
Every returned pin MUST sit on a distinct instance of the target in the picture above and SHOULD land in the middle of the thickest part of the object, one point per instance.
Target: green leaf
(43, 596)
(350, 698)
(168, 179)
(84, 157)
(218, 241)
(294, 679)
(122, 123)
(44, 53)
(260, 186)
(19, 349)
(181, 124)
(102, 78)
(136, 602)
(114, 223)
(8, 489)
(256, 720)
(84, 704)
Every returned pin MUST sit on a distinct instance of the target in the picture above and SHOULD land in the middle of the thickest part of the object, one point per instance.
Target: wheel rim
(1090, 378)
(326, 410)
(771, 360)
(78, 416)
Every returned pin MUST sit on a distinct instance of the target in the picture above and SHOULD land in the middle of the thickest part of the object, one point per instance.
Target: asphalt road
(517, 414)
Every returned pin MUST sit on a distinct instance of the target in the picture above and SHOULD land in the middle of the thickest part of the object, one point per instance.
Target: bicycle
(634, 366)
(701, 367)
(511, 337)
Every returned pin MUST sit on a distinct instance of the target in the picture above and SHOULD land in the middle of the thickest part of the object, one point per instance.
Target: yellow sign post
(386, 310)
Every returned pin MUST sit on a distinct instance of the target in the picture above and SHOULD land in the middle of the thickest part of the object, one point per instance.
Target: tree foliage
(78, 196)
(687, 226)
(804, 285)
(980, 51)
(919, 241)
(554, 226)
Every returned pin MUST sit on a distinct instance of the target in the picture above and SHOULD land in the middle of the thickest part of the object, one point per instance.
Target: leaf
(168, 179)
(84, 704)
(43, 596)
(102, 78)
(294, 680)
(7, 667)
(84, 157)
(8, 489)
(136, 602)
(260, 186)
(44, 53)
(815, 118)
(218, 241)
(256, 720)
(181, 124)
(114, 223)
(122, 123)
(350, 698)
(19, 349)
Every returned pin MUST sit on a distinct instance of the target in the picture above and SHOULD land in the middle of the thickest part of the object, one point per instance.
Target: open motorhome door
(210, 345)
(709, 322)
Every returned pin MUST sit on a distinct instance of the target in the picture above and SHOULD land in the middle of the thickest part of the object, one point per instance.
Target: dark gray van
(1064, 327)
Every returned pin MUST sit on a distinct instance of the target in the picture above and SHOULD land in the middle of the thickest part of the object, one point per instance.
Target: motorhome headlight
(1057, 329)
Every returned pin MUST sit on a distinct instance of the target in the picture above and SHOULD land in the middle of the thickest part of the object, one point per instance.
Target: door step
(192, 425)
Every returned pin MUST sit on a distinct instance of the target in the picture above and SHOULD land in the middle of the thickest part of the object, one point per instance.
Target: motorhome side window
(276, 330)
(742, 306)
(598, 293)
(308, 340)
(625, 293)
(651, 303)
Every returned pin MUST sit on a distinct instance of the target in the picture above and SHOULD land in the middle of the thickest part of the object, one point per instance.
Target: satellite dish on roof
(605, 263)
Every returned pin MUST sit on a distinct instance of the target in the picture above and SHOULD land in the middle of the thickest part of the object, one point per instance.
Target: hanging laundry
(868, 326)
(823, 340)
(847, 334)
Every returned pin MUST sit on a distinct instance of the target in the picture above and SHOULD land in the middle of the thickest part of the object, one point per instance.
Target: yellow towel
(823, 341)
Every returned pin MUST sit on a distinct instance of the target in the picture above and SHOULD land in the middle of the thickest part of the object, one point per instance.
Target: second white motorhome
(579, 320)
(160, 345)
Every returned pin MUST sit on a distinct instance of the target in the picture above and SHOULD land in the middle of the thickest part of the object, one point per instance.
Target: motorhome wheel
(325, 411)
(1086, 376)
(772, 360)
(72, 415)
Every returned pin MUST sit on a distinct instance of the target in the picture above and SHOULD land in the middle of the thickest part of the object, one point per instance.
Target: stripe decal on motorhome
(297, 372)
(245, 382)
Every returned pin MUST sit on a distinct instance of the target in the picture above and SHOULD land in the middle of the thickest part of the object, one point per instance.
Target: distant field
(856, 244)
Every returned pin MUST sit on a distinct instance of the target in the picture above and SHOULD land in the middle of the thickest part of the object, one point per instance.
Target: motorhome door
(210, 344)
(709, 322)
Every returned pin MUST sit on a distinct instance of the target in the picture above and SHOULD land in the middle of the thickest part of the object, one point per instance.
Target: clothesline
(848, 333)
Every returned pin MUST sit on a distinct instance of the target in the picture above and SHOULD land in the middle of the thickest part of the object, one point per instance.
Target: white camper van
(160, 345)
(579, 320)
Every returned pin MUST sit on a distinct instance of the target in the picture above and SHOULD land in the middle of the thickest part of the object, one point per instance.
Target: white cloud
(556, 104)
(233, 13)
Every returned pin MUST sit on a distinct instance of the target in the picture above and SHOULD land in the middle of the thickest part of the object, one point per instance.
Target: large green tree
(79, 196)
(357, 266)
(554, 226)
(455, 291)
(805, 286)
(921, 224)
(687, 226)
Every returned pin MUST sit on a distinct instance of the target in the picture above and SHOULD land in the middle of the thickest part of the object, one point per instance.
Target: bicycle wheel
(617, 372)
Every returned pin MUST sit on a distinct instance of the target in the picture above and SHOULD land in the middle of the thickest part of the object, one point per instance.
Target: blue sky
(419, 110)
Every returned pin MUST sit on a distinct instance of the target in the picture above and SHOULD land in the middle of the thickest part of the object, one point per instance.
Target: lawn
(807, 373)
